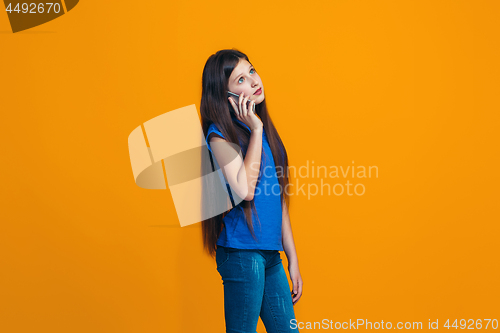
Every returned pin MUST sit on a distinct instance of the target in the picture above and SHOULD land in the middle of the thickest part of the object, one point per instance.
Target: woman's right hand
(246, 115)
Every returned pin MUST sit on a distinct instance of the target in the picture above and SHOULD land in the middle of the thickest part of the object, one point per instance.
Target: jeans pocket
(221, 256)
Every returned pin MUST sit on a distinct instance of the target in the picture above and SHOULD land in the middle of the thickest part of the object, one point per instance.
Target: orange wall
(408, 86)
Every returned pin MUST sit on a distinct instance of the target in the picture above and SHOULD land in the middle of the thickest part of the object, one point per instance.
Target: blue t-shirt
(235, 232)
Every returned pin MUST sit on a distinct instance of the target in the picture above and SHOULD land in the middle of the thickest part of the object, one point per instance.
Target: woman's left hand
(296, 281)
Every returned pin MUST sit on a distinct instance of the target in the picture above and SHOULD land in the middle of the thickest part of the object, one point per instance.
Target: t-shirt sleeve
(213, 132)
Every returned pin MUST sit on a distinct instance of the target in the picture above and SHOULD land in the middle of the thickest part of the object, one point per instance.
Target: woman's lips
(258, 92)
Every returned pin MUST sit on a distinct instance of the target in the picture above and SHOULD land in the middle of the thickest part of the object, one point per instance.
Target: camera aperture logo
(29, 14)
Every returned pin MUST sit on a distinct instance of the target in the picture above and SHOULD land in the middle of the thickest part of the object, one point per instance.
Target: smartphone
(229, 94)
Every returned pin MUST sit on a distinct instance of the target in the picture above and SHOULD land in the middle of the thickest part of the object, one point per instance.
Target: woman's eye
(239, 81)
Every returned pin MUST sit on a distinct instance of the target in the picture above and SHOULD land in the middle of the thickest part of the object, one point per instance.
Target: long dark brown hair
(214, 108)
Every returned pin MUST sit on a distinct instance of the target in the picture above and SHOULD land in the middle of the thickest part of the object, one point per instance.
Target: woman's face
(244, 79)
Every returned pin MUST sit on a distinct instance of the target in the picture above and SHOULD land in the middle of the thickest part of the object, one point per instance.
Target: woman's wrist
(258, 130)
(293, 264)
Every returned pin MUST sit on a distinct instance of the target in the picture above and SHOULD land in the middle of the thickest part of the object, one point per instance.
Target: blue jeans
(255, 284)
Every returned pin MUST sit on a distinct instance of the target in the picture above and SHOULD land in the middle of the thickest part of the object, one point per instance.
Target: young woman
(246, 240)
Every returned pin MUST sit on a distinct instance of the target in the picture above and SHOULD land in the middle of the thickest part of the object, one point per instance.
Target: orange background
(410, 87)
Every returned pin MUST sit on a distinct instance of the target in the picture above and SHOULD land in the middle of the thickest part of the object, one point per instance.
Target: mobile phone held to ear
(237, 98)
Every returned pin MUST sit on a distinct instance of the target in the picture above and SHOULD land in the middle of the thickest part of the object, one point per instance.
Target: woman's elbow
(249, 196)
(246, 194)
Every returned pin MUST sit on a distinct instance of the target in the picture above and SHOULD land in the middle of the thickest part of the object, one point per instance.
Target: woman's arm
(241, 175)
(291, 254)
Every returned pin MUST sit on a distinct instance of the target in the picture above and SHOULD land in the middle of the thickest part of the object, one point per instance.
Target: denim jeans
(255, 284)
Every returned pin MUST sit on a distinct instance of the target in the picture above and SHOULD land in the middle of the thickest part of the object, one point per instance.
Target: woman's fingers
(252, 106)
(240, 100)
(245, 108)
(297, 297)
(297, 286)
(233, 104)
